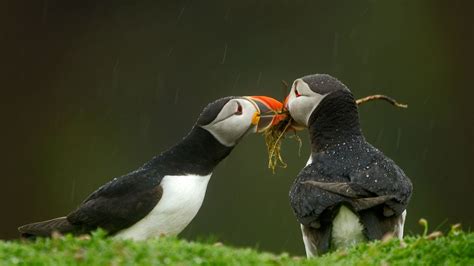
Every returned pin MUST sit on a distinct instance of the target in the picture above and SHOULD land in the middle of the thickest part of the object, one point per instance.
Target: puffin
(349, 191)
(163, 196)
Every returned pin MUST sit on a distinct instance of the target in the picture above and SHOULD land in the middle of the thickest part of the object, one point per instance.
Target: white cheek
(298, 110)
(230, 130)
(302, 107)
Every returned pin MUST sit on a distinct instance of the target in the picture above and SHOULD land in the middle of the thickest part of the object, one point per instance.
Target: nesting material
(381, 97)
(277, 133)
(273, 139)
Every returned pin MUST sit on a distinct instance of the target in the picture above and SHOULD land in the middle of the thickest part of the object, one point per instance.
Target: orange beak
(285, 102)
(269, 112)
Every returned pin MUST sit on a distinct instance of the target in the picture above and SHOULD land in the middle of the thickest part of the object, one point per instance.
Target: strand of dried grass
(273, 140)
(381, 97)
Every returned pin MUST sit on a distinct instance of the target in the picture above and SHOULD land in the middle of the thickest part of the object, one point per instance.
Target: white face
(302, 101)
(233, 122)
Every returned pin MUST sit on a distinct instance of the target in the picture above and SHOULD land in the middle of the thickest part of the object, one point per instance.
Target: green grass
(455, 249)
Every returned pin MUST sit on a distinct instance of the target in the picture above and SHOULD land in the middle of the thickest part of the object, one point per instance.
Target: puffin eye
(297, 93)
(239, 109)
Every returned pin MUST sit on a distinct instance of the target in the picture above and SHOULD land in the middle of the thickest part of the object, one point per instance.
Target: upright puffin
(164, 195)
(349, 191)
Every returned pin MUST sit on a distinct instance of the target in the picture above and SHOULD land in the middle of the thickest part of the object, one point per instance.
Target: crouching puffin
(164, 195)
(349, 191)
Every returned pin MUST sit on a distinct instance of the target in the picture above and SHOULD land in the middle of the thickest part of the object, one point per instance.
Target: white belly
(346, 229)
(181, 200)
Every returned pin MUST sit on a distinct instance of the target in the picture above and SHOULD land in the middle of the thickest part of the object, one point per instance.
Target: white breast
(346, 229)
(181, 200)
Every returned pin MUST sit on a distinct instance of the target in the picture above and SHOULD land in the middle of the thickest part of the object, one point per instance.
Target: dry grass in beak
(276, 134)
(273, 139)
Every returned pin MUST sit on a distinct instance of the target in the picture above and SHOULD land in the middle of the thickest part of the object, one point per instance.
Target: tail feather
(46, 228)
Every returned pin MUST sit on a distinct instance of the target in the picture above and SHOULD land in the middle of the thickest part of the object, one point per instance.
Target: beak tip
(271, 107)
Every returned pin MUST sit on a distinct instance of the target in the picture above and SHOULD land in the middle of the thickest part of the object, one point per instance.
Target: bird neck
(334, 121)
(198, 153)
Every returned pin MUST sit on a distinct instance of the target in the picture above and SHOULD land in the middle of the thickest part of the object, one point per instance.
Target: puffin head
(307, 93)
(229, 119)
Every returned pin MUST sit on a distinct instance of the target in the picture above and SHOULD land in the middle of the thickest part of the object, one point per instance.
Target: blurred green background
(93, 89)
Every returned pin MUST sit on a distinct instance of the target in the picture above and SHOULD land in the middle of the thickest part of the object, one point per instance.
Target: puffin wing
(120, 203)
(387, 184)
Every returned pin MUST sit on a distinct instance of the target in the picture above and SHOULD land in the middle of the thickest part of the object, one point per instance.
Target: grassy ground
(455, 249)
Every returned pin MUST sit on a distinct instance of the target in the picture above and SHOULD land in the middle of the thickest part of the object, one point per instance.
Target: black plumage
(125, 200)
(345, 170)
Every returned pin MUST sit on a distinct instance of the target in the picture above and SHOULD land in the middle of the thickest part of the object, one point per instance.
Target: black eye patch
(211, 111)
